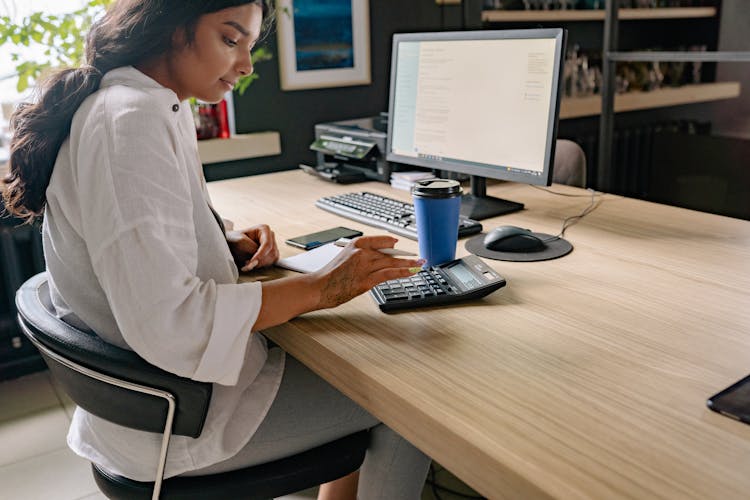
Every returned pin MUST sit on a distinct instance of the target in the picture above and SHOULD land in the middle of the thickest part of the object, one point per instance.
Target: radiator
(20, 258)
(632, 153)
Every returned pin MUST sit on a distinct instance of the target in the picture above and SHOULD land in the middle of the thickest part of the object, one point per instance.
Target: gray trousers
(308, 412)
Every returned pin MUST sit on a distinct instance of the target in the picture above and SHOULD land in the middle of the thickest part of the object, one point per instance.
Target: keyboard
(382, 212)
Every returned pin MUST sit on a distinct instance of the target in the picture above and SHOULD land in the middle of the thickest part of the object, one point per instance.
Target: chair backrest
(60, 344)
(570, 164)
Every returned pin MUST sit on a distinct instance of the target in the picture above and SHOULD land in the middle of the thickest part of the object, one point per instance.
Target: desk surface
(585, 376)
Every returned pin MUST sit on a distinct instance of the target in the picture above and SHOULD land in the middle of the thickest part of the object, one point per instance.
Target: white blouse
(135, 254)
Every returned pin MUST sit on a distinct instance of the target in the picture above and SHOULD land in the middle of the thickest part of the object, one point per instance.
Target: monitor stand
(478, 205)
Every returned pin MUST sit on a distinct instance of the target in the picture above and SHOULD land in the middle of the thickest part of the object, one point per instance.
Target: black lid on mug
(436, 188)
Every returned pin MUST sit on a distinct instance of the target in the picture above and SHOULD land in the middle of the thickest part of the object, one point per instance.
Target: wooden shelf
(577, 107)
(240, 147)
(512, 16)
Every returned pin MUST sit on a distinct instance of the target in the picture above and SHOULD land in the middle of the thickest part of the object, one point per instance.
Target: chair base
(261, 482)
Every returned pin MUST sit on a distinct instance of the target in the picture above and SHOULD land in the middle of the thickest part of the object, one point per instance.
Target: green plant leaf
(259, 55)
(62, 38)
(244, 82)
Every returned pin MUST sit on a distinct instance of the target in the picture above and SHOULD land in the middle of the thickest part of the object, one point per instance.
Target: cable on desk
(569, 195)
(577, 218)
(566, 223)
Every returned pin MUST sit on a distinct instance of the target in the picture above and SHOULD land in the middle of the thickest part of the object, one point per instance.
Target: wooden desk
(586, 376)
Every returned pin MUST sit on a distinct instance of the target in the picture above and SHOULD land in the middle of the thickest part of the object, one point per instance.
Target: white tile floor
(36, 464)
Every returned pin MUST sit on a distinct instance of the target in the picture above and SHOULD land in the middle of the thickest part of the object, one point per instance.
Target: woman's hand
(360, 267)
(356, 269)
(253, 247)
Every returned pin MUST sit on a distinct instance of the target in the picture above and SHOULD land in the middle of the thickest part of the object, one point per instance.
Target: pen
(342, 242)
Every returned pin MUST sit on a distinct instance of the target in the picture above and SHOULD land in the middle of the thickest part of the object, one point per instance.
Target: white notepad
(312, 260)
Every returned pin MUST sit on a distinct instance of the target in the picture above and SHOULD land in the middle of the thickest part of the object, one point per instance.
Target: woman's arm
(355, 270)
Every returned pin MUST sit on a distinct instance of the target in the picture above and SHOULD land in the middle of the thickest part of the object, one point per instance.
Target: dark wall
(701, 172)
(294, 113)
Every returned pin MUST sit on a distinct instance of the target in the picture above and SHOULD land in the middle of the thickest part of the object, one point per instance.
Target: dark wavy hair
(131, 32)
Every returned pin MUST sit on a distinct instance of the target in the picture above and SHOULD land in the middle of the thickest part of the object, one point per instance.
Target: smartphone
(734, 401)
(310, 241)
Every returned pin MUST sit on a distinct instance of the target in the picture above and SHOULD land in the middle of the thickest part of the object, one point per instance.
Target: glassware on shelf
(503, 4)
(655, 76)
(674, 73)
(580, 77)
(591, 4)
(548, 4)
(697, 66)
(569, 70)
(637, 74)
(621, 84)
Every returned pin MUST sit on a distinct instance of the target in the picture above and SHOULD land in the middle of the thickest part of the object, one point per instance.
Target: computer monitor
(483, 103)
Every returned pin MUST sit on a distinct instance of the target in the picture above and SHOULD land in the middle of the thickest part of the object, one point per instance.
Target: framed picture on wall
(323, 43)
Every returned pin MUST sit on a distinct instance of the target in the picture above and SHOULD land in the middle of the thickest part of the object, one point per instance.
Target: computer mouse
(512, 239)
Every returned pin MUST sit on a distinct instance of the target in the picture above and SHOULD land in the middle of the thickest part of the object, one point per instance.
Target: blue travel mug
(437, 203)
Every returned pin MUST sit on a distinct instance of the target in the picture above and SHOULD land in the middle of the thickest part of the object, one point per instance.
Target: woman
(136, 254)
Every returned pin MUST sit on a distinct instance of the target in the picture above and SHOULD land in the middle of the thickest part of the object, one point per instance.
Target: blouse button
(175, 107)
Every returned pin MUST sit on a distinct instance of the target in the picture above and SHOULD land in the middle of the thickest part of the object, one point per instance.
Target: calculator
(457, 280)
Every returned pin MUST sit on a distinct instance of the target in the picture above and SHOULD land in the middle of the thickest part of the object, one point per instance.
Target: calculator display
(463, 275)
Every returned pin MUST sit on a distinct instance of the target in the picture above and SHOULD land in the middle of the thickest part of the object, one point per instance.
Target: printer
(351, 150)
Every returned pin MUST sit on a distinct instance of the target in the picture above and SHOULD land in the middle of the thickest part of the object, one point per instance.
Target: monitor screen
(483, 103)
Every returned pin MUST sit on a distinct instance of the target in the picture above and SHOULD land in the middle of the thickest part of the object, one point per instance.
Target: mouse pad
(554, 249)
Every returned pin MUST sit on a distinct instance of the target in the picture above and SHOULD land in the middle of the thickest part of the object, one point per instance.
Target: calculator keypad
(459, 280)
(426, 283)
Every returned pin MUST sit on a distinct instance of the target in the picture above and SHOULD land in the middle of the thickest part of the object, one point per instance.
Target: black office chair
(119, 386)
(570, 164)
